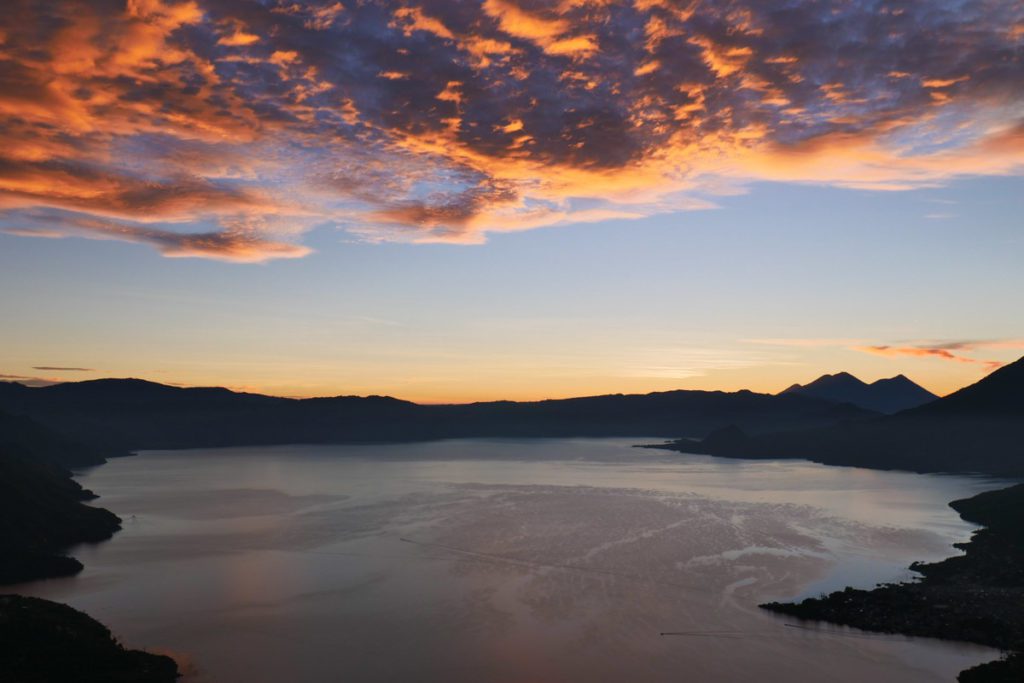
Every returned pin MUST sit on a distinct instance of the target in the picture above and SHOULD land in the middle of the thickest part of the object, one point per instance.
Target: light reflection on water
(532, 560)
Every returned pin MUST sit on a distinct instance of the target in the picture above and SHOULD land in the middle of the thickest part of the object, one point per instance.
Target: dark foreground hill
(46, 642)
(41, 507)
(42, 515)
(977, 429)
(885, 396)
(114, 415)
(977, 597)
(24, 437)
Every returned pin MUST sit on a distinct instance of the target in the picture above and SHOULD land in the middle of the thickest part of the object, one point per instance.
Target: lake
(507, 561)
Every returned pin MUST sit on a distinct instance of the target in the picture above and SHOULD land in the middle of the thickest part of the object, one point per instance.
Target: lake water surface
(526, 561)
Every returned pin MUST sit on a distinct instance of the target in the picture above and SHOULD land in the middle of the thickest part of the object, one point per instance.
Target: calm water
(507, 561)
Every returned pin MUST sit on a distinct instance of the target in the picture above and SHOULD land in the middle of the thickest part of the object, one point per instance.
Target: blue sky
(775, 286)
(510, 198)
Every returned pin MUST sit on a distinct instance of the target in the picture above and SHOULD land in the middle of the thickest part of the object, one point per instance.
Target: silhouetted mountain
(46, 642)
(692, 412)
(883, 396)
(113, 415)
(41, 510)
(22, 436)
(999, 394)
(41, 516)
(977, 429)
(828, 386)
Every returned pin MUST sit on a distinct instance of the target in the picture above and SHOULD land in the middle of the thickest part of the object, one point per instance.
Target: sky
(462, 200)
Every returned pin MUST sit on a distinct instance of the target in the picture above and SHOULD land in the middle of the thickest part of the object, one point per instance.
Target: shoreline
(889, 608)
(977, 597)
(44, 515)
(938, 499)
(688, 446)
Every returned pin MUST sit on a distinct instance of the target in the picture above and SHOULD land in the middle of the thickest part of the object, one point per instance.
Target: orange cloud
(238, 38)
(233, 245)
(951, 351)
(884, 350)
(413, 19)
(548, 33)
(448, 121)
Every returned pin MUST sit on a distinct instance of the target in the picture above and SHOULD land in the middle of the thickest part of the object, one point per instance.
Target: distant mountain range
(43, 430)
(116, 415)
(977, 429)
(883, 396)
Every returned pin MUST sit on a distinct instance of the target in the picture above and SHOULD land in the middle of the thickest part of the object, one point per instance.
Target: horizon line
(295, 397)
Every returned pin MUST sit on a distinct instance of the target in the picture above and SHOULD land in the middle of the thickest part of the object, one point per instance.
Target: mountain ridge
(133, 414)
(889, 395)
(979, 429)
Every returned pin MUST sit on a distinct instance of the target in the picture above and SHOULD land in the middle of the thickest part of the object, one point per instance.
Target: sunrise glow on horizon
(459, 201)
